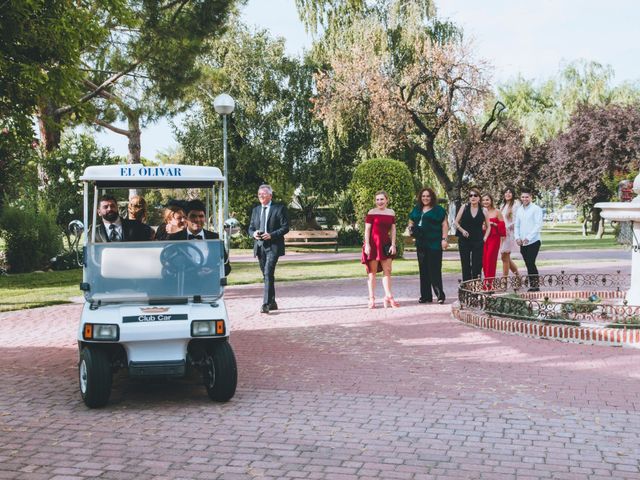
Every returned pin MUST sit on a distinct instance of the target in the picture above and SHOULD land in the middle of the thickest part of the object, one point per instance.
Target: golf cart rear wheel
(94, 370)
(220, 372)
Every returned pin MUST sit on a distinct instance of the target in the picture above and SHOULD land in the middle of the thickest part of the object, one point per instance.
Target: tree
(42, 46)
(263, 131)
(544, 109)
(506, 160)
(61, 188)
(412, 84)
(140, 69)
(598, 143)
(339, 14)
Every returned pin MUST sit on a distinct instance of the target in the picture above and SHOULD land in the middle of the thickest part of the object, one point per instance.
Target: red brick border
(615, 337)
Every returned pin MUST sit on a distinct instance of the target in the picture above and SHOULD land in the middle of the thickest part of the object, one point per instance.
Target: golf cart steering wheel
(181, 257)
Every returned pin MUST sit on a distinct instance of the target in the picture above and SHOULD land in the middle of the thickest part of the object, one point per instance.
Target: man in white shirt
(527, 233)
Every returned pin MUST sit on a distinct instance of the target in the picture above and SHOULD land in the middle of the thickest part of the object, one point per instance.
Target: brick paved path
(330, 390)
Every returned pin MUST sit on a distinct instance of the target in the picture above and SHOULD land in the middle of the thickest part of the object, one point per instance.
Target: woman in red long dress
(492, 244)
(379, 248)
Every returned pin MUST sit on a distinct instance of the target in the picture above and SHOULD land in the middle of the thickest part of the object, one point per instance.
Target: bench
(308, 238)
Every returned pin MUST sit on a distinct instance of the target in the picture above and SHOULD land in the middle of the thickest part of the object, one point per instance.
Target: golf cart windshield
(144, 271)
(151, 270)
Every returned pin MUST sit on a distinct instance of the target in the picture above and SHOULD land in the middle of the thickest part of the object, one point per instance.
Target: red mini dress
(492, 247)
(380, 236)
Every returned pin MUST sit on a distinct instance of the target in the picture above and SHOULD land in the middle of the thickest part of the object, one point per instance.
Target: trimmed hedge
(389, 175)
(31, 238)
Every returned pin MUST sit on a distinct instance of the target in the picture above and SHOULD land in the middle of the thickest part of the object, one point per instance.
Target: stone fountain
(628, 212)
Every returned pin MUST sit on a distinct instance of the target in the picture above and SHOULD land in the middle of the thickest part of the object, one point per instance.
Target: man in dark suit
(196, 218)
(114, 228)
(268, 226)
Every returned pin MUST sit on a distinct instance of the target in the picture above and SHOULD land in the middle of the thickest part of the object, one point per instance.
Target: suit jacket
(132, 231)
(277, 227)
(183, 235)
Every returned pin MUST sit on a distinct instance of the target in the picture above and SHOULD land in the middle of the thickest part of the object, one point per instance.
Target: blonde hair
(382, 192)
(488, 195)
(170, 211)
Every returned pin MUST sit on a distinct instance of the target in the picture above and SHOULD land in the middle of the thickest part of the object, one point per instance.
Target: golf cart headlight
(207, 328)
(97, 331)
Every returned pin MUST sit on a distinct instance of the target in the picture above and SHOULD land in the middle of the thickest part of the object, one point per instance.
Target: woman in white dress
(509, 207)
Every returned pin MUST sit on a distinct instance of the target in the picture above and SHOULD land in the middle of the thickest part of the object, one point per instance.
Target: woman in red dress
(493, 242)
(379, 248)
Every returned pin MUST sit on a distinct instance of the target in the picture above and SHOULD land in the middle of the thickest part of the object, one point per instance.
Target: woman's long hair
(488, 195)
(510, 203)
(434, 198)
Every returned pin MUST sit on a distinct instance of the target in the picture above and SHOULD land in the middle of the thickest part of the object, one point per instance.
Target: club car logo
(154, 314)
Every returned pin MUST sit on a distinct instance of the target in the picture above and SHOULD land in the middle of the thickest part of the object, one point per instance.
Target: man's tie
(113, 236)
(263, 220)
(194, 237)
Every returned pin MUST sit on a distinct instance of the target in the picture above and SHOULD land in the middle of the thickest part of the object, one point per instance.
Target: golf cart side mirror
(231, 223)
(76, 227)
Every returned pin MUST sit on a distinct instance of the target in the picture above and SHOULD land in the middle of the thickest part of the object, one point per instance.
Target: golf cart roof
(153, 175)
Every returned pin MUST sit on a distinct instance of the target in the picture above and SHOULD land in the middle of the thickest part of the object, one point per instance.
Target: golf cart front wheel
(94, 371)
(221, 373)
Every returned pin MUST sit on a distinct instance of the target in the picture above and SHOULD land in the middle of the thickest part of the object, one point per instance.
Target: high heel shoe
(390, 301)
(372, 303)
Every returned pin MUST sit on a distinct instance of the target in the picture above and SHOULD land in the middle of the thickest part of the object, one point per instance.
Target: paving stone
(328, 389)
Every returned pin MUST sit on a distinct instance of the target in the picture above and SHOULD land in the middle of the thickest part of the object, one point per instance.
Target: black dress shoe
(533, 289)
(273, 306)
(264, 308)
(441, 300)
(425, 300)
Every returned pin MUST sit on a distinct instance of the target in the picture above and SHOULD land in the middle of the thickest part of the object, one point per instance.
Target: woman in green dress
(428, 224)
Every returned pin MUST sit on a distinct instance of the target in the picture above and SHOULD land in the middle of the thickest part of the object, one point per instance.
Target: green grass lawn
(32, 290)
(50, 288)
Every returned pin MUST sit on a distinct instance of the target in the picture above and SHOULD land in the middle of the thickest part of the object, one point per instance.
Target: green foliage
(241, 241)
(61, 188)
(389, 175)
(42, 44)
(273, 137)
(31, 238)
(18, 157)
(349, 237)
(510, 304)
(579, 305)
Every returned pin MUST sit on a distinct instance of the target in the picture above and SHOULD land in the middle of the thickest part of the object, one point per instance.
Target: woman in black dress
(470, 221)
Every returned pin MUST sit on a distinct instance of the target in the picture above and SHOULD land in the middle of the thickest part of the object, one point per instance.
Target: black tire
(220, 372)
(94, 373)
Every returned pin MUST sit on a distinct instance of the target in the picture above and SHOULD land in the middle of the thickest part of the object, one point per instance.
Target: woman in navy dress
(380, 248)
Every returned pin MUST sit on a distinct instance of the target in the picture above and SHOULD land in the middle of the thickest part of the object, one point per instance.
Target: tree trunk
(134, 138)
(595, 221)
(49, 126)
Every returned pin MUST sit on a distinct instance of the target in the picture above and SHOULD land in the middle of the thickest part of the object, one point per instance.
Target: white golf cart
(154, 308)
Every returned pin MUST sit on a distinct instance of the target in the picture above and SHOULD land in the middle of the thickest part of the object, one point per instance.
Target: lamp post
(224, 105)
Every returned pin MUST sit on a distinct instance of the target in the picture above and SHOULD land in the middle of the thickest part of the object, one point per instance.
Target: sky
(531, 38)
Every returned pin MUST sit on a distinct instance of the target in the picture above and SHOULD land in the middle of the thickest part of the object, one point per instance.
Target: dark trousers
(470, 258)
(268, 260)
(430, 265)
(529, 254)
